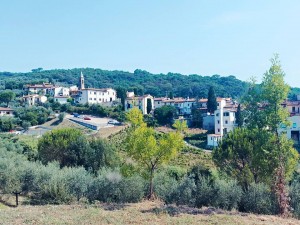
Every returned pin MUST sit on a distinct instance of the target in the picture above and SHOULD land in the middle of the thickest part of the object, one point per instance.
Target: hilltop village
(218, 122)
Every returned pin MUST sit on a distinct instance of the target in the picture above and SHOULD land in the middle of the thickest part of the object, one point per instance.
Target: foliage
(239, 116)
(149, 105)
(165, 114)
(67, 146)
(211, 100)
(147, 149)
(110, 186)
(7, 97)
(32, 115)
(258, 199)
(61, 117)
(243, 154)
(197, 118)
(7, 123)
(135, 117)
(180, 125)
(101, 154)
(140, 81)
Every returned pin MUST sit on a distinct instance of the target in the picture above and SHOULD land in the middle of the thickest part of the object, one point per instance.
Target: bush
(228, 194)
(164, 186)
(205, 192)
(110, 186)
(258, 199)
(184, 194)
(295, 197)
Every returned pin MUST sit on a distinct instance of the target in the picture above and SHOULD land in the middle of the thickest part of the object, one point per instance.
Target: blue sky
(203, 37)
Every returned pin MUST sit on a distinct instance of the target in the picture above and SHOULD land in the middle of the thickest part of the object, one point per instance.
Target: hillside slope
(140, 81)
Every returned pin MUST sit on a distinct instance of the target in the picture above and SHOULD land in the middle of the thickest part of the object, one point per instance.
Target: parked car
(76, 115)
(113, 122)
(87, 118)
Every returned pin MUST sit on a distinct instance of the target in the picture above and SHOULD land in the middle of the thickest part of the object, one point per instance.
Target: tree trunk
(151, 195)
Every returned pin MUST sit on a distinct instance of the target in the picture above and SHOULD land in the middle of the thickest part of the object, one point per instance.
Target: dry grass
(140, 213)
(108, 131)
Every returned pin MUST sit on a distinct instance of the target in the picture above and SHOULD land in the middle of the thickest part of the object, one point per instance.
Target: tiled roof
(5, 109)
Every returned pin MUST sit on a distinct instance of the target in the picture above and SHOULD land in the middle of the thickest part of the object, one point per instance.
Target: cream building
(44, 88)
(34, 99)
(140, 102)
(103, 96)
(6, 111)
(183, 105)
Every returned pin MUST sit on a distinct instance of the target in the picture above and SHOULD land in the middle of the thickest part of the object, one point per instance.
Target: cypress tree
(239, 117)
(211, 101)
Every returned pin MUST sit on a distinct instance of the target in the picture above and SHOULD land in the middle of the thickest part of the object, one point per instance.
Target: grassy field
(140, 213)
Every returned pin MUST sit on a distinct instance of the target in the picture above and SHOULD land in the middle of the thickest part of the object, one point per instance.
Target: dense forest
(140, 81)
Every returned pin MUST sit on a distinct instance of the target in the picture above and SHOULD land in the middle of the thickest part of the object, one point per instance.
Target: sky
(205, 37)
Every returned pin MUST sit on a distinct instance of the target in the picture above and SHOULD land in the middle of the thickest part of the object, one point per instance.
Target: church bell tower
(81, 82)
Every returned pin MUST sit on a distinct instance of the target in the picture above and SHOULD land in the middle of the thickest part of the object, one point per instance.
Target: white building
(103, 96)
(59, 91)
(292, 131)
(183, 105)
(34, 99)
(6, 111)
(140, 102)
(61, 99)
(44, 88)
(225, 120)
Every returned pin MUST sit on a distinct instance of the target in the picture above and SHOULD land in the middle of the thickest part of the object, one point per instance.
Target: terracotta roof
(61, 96)
(214, 135)
(44, 85)
(5, 109)
(28, 96)
(97, 89)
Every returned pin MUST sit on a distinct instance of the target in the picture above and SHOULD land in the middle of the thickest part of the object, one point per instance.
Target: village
(217, 123)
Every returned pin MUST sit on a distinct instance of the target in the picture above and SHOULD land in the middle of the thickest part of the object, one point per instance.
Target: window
(95, 93)
(294, 125)
(110, 99)
(218, 130)
(218, 104)
(226, 114)
(217, 114)
(211, 138)
(108, 93)
(158, 103)
(90, 99)
(95, 99)
(226, 122)
(90, 92)
(218, 121)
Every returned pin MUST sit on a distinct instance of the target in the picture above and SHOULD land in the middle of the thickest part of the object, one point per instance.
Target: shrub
(295, 197)
(184, 194)
(110, 186)
(228, 194)
(205, 192)
(164, 186)
(258, 199)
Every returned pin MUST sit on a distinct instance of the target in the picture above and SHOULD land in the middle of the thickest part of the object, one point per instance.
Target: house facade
(34, 99)
(183, 105)
(225, 120)
(59, 91)
(6, 111)
(140, 102)
(44, 88)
